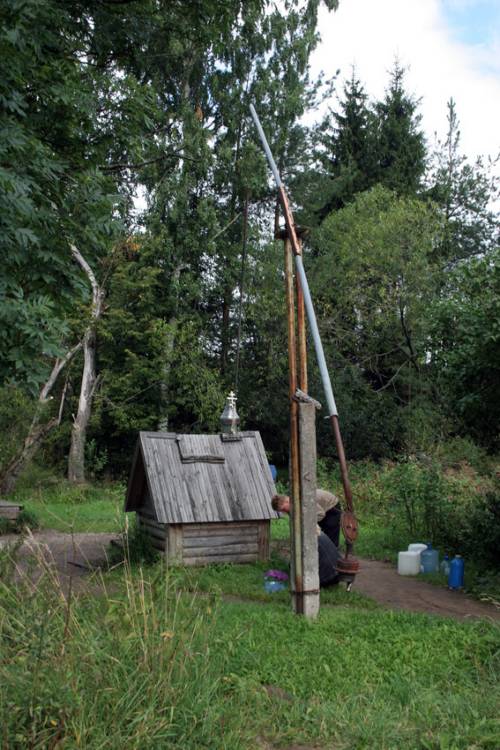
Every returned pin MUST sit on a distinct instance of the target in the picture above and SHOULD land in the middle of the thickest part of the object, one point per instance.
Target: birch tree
(76, 459)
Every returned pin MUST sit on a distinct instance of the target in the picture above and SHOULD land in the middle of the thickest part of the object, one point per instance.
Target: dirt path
(78, 554)
(74, 555)
(381, 582)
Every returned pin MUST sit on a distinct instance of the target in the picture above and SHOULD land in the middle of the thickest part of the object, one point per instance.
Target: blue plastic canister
(456, 577)
(429, 560)
(272, 586)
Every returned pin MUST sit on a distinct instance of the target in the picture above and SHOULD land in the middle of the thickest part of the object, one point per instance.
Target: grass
(247, 582)
(63, 506)
(161, 659)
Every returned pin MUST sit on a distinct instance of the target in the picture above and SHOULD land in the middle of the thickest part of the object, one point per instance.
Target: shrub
(457, 509)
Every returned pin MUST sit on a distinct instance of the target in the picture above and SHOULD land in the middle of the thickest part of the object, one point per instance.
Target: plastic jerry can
(456, 576)
(417, 547)
(409, 563)
(445, 566)
(429, 560)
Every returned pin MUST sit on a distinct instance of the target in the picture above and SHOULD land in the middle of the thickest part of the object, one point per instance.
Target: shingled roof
(201, 478)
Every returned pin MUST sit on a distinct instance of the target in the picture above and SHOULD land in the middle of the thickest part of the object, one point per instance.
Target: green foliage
(367, 143)
(466, 194)
(51, 188)
(373, 310)
(466, 344)
(348, 151)
(26, 519)
(64, 506)
(16, 413)
(430, 498)
(401, 142)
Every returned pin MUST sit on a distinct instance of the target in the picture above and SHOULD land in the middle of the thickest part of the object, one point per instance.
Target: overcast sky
(451, 49)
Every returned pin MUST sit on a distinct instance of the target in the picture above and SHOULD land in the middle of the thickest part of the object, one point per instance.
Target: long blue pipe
(311, 315)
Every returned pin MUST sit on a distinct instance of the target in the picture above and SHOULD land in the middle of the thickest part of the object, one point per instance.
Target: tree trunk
(76, 458)
(225, 333)
(167, 352)
(37, 432)
(165, 372)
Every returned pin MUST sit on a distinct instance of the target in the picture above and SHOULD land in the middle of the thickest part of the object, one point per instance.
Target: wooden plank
(210, 540)
(230, 529)
(242, 558)
(10, 513)
(147, 513)
(154, 533)
(194, 448)
(237, 490)
(174, 543)
(263, 540)
(151, 521)
(221, 549)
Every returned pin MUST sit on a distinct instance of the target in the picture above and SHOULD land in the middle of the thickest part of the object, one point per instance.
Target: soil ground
(78, 554)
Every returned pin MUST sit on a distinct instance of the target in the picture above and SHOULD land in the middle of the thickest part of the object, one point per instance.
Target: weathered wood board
(9, 510)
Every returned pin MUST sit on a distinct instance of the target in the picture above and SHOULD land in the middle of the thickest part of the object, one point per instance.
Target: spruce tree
(465, 193)
(349, 155)
(401, 149)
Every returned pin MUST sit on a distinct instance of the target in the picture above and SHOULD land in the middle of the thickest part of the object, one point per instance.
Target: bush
(420, 499)
(450, 496)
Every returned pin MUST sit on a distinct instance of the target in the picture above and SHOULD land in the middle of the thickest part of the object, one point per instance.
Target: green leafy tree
(373, 282)
(466, 347)
(66, 117)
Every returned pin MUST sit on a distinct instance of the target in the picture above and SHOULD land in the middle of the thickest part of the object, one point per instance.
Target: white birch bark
(38, 431)
(76, 459)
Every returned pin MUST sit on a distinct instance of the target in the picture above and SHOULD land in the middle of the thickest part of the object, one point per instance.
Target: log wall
(205, 543)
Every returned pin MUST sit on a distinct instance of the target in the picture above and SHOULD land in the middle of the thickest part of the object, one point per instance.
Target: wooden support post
(309, 549)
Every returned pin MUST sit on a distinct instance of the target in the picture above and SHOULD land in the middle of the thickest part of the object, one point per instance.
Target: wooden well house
(203, 498)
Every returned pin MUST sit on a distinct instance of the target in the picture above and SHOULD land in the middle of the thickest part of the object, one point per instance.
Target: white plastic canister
(409, 563)
(417, 547)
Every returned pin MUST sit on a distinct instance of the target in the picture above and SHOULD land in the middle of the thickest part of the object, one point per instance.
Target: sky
(451, 48)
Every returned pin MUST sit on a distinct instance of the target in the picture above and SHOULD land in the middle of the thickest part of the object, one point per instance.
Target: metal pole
(296, 529)
(301, 333)
(297, 250)
(311, 316)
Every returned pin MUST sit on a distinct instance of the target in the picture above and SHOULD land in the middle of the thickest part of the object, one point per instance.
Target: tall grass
(128, 667)
(143, 659)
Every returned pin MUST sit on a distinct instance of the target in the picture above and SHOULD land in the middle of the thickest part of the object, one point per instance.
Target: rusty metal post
(296, 531)
(301, 329)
